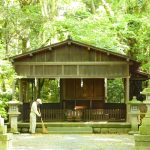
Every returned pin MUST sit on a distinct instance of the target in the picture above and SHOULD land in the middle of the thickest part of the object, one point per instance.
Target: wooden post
(32, 90)
(20, 100)
(35, 88)
(127, 98)
(27, 91)
(20, 90)
(105, 86)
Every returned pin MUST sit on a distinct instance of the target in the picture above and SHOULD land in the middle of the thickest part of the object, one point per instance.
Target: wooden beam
(73, 63)
(70, 76)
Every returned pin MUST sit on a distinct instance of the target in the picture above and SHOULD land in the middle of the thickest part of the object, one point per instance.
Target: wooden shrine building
(80, 73)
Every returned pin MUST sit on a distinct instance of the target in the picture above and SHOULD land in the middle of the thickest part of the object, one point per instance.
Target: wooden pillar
(27, 92)
(35, 88)
(105, 88)
(127, 89)
(20, 107)
(32, 90)
(20, 89)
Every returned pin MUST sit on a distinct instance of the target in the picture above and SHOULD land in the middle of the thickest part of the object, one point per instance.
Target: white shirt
(34, 109)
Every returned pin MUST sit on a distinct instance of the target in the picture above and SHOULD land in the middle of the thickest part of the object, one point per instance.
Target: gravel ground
(73, 142)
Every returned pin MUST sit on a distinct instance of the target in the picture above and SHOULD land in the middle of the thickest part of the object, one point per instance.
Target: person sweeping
(34, 112)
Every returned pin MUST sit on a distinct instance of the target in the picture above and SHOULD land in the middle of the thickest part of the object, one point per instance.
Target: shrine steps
(70, 130)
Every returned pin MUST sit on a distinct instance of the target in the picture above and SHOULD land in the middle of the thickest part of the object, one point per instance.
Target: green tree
(119, 26)
(115, 91)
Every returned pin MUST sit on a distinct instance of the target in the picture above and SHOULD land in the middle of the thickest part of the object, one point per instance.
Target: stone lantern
(134, 112)
(13, 115)
(142, 140)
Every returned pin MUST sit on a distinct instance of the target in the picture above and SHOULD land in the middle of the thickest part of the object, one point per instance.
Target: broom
(44, 130)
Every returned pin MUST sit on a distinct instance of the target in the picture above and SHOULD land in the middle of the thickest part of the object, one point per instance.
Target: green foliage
(4, 98)
(119, 26)
(2, 110)
(6, 79)
(50, 92)
(6, 75)
(115, 91)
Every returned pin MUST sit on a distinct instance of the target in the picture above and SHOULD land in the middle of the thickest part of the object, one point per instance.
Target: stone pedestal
(5, 141)
(134, 112)
(13, 115)
(142, 140)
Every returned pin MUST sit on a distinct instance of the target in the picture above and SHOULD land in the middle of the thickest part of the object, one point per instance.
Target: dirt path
(73, 142)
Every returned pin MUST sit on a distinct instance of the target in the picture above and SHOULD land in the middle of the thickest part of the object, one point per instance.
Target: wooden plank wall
(93, 89)
(71, 61)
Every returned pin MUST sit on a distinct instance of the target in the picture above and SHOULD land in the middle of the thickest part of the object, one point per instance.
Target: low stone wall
(97, 128)
(111, 130)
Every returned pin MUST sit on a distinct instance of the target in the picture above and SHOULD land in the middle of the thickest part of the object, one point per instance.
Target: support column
(127, 89)
(105, 86)
(20, 90)
(20, 100)
(35, 88)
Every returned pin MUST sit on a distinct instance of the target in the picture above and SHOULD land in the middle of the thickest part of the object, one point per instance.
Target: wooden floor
(78, 124)
(92, 124)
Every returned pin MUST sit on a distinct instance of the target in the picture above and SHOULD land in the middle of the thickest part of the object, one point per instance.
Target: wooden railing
(52, 115)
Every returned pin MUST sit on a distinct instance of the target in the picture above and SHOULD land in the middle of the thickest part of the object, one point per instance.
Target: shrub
(4, 98)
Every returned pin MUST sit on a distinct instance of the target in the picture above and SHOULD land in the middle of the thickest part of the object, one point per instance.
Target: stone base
(142, 142)
(5, 141)
(144, 130)
(133, 132)
(102, 130)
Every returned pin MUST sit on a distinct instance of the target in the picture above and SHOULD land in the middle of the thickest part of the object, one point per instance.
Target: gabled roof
(69, 42)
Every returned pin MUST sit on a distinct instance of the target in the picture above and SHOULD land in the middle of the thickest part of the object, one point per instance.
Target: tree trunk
(108, 9)
(92, 7)
(49, 8)
(3, 84)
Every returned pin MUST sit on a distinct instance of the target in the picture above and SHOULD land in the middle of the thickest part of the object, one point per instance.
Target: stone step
(70, 130)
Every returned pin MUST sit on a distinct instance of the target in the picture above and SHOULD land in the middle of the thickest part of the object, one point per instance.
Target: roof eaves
(38, 50)
(104, 50)
(69, 41)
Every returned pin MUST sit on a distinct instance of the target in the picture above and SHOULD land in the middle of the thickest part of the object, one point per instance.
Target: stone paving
(73, 142)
